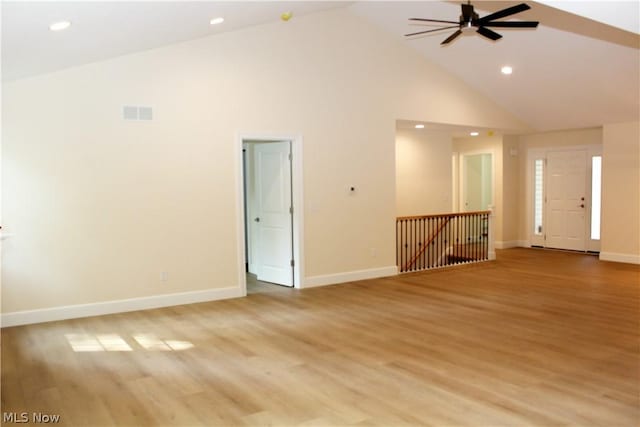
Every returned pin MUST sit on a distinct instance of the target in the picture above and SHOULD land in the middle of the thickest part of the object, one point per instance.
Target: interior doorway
(476, 189)
(271, 224)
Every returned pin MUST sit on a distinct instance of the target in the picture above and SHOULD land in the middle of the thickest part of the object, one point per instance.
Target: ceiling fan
(470, 21)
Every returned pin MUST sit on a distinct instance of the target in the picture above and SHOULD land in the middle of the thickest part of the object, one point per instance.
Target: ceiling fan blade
(488, 33)
(504, 12)
(431, 31)
(451, 37)
(512, 24)
(433, 20)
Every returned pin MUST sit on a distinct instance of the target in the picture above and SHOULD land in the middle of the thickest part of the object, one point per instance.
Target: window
(596, 195)
(538, 202)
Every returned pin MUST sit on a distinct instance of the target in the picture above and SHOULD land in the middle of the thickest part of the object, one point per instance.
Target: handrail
(450, 215)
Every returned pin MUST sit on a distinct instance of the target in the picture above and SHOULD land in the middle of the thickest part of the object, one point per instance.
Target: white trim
(534, 154)
(240, 219)
(616, 257)
(491, 250)
(455, 182)
(509, 244)
(297, 185)
(116, 306)
(350, 276)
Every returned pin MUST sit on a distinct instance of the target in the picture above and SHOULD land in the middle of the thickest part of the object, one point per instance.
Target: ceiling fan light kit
(470, 21)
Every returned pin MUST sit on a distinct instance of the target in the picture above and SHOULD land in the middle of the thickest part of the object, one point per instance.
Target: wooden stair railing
(426, 244)
(430, 241)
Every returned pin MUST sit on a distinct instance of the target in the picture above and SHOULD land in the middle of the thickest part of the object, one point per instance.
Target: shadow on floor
(255, 286)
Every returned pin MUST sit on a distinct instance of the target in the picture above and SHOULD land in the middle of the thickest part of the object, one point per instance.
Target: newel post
(492, 248)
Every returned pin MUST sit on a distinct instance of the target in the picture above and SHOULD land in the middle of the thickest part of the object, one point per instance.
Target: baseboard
(615, 257)
(118, 306)
(349, 276)
(507, 244)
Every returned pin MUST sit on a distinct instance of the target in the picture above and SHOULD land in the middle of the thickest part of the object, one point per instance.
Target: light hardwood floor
(535, 338)
(255, 286)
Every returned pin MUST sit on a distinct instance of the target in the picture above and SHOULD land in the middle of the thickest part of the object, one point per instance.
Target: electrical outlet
(373, 252)
(164, 276)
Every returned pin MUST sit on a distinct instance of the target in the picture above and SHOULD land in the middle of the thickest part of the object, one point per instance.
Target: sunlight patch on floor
(152, 343)
(114, 342)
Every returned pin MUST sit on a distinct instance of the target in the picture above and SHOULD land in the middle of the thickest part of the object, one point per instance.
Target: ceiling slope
(570, 72)
(106, 29)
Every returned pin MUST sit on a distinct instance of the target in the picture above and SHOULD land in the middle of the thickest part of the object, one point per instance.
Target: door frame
(534, 153)
(296, 198)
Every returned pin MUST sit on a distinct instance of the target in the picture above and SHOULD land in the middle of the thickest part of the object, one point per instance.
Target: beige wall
(98, 207)
(564, 138)
(423, 172)
(621, 192)
(511, 209)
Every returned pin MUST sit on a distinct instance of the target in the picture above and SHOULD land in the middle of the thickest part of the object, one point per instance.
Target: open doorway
(476, 190)
(270, 224)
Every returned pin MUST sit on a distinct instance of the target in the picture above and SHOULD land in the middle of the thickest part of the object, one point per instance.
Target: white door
(273, 213)
(566, 191)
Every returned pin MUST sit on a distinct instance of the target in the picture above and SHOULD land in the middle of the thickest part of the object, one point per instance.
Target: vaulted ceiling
(579, 68)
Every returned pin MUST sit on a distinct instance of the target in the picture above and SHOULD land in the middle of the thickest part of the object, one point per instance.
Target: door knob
(257, 219)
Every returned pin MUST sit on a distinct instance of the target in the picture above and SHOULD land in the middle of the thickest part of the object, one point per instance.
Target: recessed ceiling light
(216, 21)
(474, 133)
(506, 70)
(59, 26)
(419, 126)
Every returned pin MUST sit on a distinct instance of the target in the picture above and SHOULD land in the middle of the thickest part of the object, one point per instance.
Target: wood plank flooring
(536, 338)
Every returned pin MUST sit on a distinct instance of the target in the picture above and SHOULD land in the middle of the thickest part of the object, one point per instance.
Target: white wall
(423, 172)
(99, 206)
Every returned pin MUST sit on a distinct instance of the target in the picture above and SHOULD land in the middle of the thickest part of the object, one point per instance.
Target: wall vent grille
(137, 113)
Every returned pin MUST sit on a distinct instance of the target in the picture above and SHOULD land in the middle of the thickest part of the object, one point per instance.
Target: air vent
(145, 113)
(130, 112)
(134, 112)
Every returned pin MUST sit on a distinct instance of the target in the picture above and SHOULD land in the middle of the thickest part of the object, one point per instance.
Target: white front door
(273, 213)
(566, 192)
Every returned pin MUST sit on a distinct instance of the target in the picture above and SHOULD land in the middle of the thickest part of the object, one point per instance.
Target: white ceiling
(570, 72)
(455, 131)
(105, 29)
